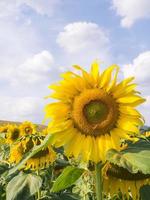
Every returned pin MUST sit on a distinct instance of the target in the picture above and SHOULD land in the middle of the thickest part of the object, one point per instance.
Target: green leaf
(69, 197)
(67, 178)
(135, 158)
(145, 192)
(23, 187)
(3, 167)
(2, 142)
(64, 196)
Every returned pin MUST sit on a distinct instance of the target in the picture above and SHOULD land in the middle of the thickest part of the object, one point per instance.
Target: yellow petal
(129, 111)
(124, 91)
(121, 134)
(123, 83)
(95, 70)
(115, 139)
(63, 138)
(88, 78)
(77, 144)
(135, 120)
(132, 100)
(106, 77)
(101, 147)
(114, 81)
(108, 143)
(127, 125)
(86, 148)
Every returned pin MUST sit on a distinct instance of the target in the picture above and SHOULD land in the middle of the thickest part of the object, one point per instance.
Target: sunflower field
(94, 145)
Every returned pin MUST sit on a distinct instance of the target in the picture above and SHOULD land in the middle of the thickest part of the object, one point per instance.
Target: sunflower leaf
(67, 178)
(135, 158)
(64, 196)
(23, 186)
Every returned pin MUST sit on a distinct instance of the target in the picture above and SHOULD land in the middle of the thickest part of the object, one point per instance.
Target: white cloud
(86, 40)
(140, 69)
(13, 7)
(21, 108)
(43, 7)
(131, 10)
(26, 69)
(24, 88)
(35, 69)
(144, 109)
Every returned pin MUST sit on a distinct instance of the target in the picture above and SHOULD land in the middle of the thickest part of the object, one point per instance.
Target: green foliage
(3, 167)
(64, 196)
(85, 186)
(145, 192)
(135, 158)
(67, 178)
(61, 180)
(23, 186)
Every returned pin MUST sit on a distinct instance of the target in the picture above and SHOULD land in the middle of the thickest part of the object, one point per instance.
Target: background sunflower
(13, 133)
(40, 160)
(27, 128)
(120, 179)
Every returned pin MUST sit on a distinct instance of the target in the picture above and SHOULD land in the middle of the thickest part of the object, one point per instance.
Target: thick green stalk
(98, 181)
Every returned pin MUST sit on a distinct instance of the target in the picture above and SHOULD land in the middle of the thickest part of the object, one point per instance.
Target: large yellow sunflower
(27, 128)
(119, 179)
(93, 112)
(40, 160)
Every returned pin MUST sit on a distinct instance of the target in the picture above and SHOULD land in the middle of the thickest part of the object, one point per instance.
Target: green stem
(39, 192)
(98, 181)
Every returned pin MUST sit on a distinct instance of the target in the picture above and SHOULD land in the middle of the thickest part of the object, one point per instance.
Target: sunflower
(27, 128)
(147, 134)
(93, 112)
(40, 160)
(4, 128)
(13, 134)
(120, 179)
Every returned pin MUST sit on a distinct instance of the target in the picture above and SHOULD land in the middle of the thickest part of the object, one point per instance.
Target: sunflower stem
(39, 192)
(98, 181)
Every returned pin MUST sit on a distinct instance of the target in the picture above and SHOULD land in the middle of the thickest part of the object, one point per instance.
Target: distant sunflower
(93, 112)
(40, 160)
(119, 179)
(4, 128)
(27, 128)
(147, 134)
(13, 134)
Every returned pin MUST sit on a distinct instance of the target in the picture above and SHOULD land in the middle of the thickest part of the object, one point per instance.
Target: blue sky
(39, 39)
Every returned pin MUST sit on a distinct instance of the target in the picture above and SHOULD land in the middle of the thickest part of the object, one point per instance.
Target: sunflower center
(28, 130)
(15, 134)
(95, 111)
(124, 174)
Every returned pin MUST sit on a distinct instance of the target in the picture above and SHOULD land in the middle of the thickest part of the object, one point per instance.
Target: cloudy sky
(39, 39)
